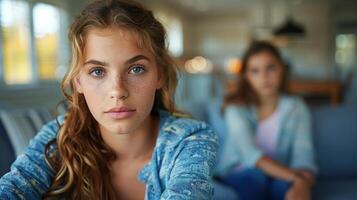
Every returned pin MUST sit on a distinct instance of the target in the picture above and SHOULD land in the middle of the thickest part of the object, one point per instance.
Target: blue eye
(97, 72)
(254, 71)
(137, 69)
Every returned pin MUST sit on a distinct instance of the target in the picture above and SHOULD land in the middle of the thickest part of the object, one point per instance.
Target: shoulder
(294, 106)
(234, 112)
(48, 132)
(176, 130)
(53, 126)
(186, 158)
(237, 109)
(182, 143)
(292, 102)
(186, 142)
(178, 136)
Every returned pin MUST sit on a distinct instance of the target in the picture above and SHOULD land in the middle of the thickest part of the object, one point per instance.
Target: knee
(280, 186)
(256, 177)
(251, 178)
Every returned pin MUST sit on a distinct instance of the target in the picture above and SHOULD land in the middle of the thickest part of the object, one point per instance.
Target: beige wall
(221, 36)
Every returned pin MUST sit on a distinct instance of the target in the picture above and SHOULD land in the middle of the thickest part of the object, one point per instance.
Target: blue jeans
(253, 184)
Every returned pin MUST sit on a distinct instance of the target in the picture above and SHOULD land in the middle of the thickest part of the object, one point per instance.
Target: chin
(119, 128)
(124, 129)
(268, 93)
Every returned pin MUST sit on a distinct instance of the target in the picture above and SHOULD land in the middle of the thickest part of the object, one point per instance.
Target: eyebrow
(136, 58)
(131, 60)
(96, 62)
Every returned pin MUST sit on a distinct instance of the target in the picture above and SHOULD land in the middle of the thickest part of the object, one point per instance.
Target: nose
(264, 74)
(119, 90)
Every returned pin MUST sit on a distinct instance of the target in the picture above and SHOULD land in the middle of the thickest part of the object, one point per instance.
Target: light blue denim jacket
(294, 146)
(180, 168)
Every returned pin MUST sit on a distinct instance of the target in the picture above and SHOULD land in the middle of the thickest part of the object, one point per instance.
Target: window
(175, 36)
(46, 39)
(173, 27)
(346, 45)
(16, 41)
(30, 41)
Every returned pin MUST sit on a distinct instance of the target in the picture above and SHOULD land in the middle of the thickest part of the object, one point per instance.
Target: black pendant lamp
(290, 28)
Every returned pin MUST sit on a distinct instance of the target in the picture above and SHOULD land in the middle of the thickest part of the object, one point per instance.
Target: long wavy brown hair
(244, 93)
(81, 159)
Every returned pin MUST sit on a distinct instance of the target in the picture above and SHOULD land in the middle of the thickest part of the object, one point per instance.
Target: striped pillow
(21, 125)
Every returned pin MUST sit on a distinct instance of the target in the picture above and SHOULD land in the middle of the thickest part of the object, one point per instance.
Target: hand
(300, 190)
(307, 175)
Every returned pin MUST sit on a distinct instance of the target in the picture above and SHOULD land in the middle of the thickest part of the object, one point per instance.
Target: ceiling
(217, 7)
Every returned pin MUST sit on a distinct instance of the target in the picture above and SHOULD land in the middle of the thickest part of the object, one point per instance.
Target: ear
(77, 84)
(160, 79)
(159, 83)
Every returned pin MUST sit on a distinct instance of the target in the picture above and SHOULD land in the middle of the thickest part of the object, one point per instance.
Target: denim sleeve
(30, 176)
(303, 155)
(191, 175)
(239, 144)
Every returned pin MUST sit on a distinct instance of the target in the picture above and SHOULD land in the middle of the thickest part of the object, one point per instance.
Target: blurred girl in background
(268, 151)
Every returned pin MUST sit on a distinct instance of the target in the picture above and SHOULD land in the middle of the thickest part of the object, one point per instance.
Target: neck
(136, 145)
(268, 101)
(267, 106)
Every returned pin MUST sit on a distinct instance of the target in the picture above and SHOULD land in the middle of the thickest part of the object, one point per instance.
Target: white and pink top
(266, 137)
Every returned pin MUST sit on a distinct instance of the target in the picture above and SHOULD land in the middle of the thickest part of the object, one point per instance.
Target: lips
(120, 113)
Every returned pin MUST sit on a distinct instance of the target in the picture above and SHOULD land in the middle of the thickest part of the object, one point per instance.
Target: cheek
(276, 77)
(143, 91)
(93, 92)
(252, 80)
(143, 86)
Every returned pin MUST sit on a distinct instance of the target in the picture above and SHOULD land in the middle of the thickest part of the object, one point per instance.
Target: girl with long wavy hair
(122, 137)
(268, 152)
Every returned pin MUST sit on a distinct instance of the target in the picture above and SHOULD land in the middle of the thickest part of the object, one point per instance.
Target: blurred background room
(317, 38)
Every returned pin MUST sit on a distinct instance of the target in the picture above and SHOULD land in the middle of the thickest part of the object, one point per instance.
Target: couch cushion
(7, 152)
(335, 190)
(217, 122)
(21, 125)
(18, 128)
(335, 137)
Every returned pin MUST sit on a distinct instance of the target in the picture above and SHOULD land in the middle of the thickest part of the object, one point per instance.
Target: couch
(335, 137)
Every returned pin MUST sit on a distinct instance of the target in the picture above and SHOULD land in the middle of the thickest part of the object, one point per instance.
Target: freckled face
(264, 73)
(118, 80)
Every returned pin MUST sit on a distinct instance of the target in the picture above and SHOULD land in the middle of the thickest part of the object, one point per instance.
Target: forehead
(112, 32)
(118, 41)
(261, 58)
